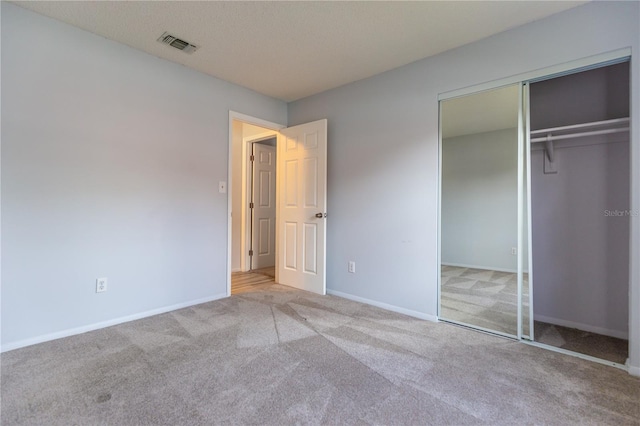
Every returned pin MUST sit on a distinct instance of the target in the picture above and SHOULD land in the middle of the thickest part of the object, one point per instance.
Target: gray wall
(383, 152)
(580, 254)
(110, 166)
(480, 200)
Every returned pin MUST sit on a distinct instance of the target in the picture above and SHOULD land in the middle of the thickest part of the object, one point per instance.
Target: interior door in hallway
(302, 159)
(263, 206)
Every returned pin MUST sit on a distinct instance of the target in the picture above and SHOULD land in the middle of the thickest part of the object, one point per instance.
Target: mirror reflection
(479, 210)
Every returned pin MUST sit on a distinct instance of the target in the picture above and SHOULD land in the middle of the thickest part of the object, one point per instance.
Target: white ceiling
(289, 50)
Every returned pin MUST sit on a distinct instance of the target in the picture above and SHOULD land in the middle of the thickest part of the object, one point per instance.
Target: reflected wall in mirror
(479, 210)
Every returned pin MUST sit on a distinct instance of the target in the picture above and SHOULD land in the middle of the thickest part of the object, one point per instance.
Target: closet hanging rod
(578, 135)
(582, 125)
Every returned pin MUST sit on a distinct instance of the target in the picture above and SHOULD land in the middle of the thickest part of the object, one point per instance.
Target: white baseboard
(486, 268)
(386, 306)
(584, 327)
(104, 324)
(634, 370)
(236, 270)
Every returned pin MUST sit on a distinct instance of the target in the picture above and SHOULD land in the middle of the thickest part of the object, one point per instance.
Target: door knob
(321, 215)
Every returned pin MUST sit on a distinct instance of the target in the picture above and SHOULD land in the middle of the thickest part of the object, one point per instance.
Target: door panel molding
(263, 209)
(303, 156)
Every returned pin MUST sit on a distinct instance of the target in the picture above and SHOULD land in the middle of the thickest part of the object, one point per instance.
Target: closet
(580, 175)
(535, 210)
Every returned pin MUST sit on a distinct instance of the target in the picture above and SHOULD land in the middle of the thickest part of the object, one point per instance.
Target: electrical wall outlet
(352, 267)
(514, 251)
(101, 285)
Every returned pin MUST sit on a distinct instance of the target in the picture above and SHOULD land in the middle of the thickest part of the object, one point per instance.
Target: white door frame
(245, 235)
(233, 115)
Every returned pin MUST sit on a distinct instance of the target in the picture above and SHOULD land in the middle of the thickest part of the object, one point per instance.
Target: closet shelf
(593, 128)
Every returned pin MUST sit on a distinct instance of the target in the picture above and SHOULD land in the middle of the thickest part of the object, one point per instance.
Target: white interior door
(302, 165)
(263, 207)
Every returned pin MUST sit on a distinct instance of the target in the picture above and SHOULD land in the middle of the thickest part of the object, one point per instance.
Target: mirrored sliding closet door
(481, 142)
(534, 211)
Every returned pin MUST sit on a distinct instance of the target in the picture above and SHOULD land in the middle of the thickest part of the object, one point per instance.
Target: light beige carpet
(280, 356)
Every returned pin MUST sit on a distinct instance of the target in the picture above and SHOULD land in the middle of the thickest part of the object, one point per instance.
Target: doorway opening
(300, 186)
(253, 206)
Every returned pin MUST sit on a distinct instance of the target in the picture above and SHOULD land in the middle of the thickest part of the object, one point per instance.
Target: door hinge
(250, 252)
(252, 158)
(250, 205)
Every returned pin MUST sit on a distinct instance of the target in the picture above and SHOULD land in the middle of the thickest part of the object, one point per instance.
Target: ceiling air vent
(179, 44)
